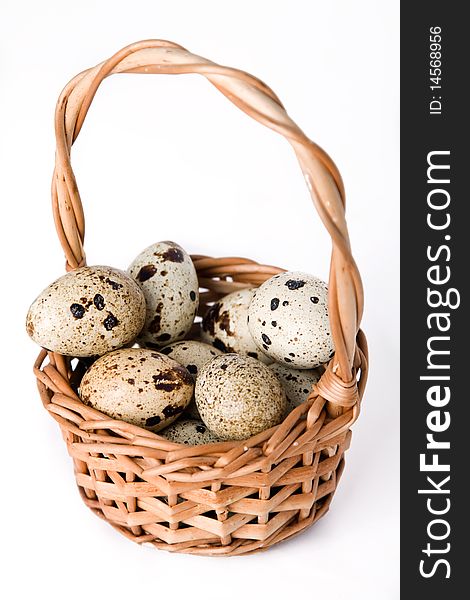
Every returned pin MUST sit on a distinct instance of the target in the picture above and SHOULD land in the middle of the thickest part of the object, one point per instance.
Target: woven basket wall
(225, 498)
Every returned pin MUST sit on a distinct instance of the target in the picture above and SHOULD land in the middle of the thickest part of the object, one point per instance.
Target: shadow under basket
(226, 498)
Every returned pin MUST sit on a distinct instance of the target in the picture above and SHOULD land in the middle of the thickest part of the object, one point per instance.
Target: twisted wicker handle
(258, 101)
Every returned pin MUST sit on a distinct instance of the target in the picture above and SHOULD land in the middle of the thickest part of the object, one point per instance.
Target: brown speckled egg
(238, 397)
(139, 386)
(225, 326)
(288, 319)
(168, 279)
(87, 312)
(191, 432)
(297, 383)
(193, 355)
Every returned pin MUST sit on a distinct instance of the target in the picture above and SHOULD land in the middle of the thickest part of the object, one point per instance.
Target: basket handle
(258, 101)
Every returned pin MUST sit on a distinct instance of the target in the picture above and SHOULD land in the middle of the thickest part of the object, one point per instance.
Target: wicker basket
(225, 498)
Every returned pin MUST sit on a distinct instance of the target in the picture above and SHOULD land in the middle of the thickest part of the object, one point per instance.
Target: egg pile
(253, 358)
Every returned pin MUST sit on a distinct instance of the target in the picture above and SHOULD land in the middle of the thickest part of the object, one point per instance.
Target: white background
(167, 157)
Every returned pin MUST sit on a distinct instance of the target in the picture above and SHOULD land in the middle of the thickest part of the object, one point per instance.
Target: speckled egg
(168, 279)
(139, 386)
(225, 325)
(238, 397)
(87, 312)
(193, 355)
(297, 383)
(288, 320)
(191, 432)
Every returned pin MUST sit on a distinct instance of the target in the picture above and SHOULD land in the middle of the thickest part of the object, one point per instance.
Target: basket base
(292, 527)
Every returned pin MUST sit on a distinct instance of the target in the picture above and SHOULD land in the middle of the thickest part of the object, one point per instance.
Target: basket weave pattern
(224, 498)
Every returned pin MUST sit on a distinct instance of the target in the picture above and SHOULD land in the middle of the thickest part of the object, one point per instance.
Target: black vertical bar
(435, 324)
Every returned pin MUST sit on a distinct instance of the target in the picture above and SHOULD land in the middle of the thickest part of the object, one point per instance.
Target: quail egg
(87, 312)
(225, 325)
(139, 386)
(238, 397)
(168, 279)
(192, 432)
(297, 383)
(288, 320)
